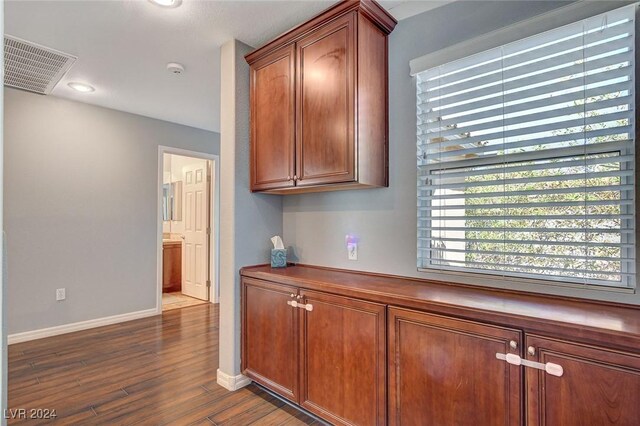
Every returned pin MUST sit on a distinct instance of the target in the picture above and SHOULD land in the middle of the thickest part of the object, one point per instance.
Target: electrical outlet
(61, 294)
(352, 251)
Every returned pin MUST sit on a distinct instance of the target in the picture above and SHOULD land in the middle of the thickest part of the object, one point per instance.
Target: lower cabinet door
(342, 359)
(598, 386)
(270, 336)
(444, 371)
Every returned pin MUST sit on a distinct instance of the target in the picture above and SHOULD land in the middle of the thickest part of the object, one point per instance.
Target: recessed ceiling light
(81, 87)
(167, 3)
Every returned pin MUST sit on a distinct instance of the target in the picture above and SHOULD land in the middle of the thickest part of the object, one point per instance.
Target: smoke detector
(175, 68)
(32, 67)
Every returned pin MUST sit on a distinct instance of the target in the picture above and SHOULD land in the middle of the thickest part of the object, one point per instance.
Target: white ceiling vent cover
(29, 66)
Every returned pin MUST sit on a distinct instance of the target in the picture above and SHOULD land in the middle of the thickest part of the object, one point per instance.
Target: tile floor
(178, 300)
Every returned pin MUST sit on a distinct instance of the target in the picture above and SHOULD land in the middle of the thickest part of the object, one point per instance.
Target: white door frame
(214, 240)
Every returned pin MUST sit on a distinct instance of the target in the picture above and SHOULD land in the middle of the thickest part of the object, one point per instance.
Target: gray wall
(247, 220)
(81, 188)
(315, 225)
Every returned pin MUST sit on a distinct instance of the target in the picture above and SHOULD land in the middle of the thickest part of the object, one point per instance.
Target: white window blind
(526, 157)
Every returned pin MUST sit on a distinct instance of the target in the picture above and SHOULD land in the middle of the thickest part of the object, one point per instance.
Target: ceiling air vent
(29, 66)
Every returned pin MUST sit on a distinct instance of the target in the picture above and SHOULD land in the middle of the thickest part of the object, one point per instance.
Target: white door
(195, 256)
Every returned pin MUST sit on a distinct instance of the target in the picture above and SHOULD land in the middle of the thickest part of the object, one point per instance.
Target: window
(526, 157)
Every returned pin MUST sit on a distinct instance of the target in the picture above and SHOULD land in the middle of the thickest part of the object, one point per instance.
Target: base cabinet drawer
(444, 371)
(598, 386)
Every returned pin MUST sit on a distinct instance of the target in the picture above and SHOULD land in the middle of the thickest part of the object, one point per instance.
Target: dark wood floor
(153, 371)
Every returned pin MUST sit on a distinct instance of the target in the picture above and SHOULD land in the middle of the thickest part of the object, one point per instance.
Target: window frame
(489, 277)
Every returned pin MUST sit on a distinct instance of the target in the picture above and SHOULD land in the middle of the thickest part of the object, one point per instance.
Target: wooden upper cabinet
(444, 371)
(272, 120)
(598, 386)
(319, 103)
(269, 336)
(326, 73)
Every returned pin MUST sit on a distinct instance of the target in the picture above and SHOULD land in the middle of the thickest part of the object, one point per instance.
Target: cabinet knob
(295, 177)
(531, 350)
(292, 295)
(289, 177)
(513, 344)
(298, 297)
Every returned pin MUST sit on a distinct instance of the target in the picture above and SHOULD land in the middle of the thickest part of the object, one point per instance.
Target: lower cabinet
(270, 337)
(324, 352)
(331, 355)
(171, 266)
(598, 386)
(444, 371)
(342, 359)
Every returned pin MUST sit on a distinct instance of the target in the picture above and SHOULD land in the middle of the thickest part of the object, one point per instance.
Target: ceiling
(123, 47)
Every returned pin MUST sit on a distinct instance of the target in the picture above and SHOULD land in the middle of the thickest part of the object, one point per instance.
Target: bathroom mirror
(172, 201)
(176, 200)
(166, 202)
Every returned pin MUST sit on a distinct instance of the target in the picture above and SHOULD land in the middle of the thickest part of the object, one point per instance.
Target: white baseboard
(232, 383)
(77, 326)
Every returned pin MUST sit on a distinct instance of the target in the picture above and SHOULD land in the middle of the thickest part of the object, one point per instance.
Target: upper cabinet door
(325, 145)
(273, 120)
(598, 386)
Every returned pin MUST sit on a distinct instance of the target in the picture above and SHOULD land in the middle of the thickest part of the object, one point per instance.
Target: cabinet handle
(513, 344)
(549, 367)
(292, 295)
(293, 303)
(531, 350)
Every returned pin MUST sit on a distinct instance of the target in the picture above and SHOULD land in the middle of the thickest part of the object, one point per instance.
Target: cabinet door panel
(325, 142)
(171, 267)
(598, 386)
(444, 371)
(273, 120)
(269, 337)
(343, 359)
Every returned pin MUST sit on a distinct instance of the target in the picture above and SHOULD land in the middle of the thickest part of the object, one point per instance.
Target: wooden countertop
(592, 322)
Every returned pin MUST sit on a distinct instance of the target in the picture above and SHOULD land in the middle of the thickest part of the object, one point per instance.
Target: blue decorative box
(278, 258)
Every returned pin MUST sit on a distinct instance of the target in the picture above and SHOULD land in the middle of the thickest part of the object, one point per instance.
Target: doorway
(187, 240)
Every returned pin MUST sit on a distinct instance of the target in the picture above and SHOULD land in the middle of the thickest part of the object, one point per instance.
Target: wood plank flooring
(153, 371)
